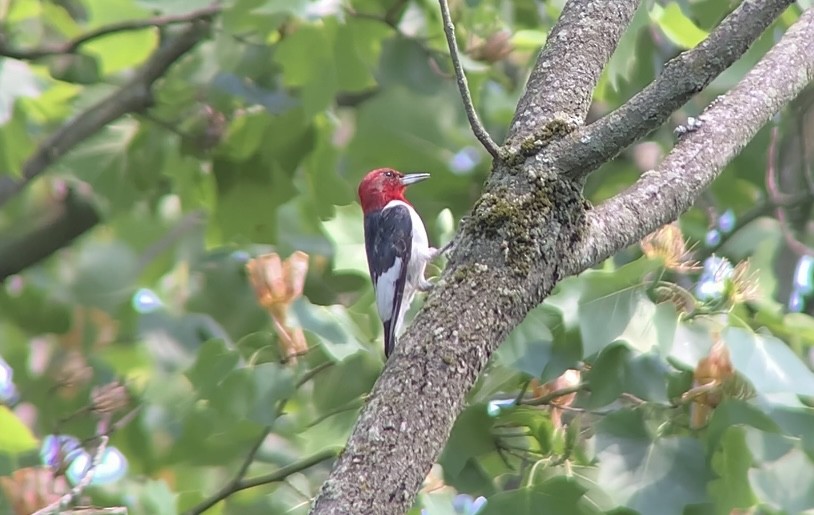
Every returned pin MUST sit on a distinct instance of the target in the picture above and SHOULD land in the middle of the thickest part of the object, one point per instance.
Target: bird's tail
(389, 338)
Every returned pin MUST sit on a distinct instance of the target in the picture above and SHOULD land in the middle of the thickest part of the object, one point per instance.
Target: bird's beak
(413, 178)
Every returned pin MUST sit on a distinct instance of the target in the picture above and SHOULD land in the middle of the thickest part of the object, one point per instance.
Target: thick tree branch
(71, 218)
(561, 85)
(682, 77)
(528, 231)
(463, 87)
(134, 96)
(729, 123)
(71, 46)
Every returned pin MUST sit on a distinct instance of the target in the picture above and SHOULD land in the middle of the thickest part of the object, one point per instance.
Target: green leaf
(307, 60)
(16, 145)
(404, 64)
(528, 39)
(293, 7)
(437, 503)
(15, 437)
(528, 347)
(613, 306)
(471, 437)
(214, 361)
(244, 212)
(356, 48)
(734, 412)
(346, 233)
(607, 375)
(102, 160)
(650, 476)
(731, 463)
(555, 496)
(624, 57)
(254, 392)
(676, 26)
(34, 307)
(244, 136)
(538, 421)
(105, 274)
(618, 369)
(786, 483)
(16, 80)
(120, 50)
(345, 382)
(156, 498)
(771, 367)
(337, 332)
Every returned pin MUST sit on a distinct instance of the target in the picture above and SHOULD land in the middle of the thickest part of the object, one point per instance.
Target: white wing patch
(386, 290)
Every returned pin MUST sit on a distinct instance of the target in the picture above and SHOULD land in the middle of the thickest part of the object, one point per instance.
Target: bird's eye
(388, 174)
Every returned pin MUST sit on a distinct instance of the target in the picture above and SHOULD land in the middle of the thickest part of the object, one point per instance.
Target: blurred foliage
(692, 374)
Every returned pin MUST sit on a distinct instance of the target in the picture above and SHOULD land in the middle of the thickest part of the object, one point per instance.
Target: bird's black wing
(388, 242)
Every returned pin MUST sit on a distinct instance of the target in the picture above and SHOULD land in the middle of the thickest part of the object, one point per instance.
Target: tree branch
(133, 96)
(63, 502)
(728, 124)
(463, 87)
(682, 78)
(778, 197)
(528, 231)
(561, 85)
(274, 477)
(553, 396)
(71, 218)
(71, 46)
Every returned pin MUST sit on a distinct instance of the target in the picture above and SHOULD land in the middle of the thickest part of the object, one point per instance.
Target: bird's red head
(382, 185)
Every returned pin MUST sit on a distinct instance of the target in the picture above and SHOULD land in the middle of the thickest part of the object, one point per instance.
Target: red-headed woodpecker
(396, 244)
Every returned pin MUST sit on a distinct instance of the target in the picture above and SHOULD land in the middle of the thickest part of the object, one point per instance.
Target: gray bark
(530, 229)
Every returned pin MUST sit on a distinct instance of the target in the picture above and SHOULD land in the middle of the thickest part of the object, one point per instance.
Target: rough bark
(584, 151)
(562, 82)
(530, 229)
(661, 195)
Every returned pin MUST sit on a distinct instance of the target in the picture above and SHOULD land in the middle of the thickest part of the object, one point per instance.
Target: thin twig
(556, 394)
(753, 214)
(71, 46)
(76, 491)
(310, 374)
(187, 223)
(777, 197)
(238, 482)
(279, 475)
(463, 86)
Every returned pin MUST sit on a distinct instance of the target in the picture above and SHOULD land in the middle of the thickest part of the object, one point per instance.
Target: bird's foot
(434, 253)
(425, 285)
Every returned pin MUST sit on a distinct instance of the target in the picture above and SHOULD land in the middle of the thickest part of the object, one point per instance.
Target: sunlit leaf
(676, 26)
(15, 437)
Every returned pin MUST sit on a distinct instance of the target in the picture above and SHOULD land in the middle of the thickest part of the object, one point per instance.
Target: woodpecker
(397, 247)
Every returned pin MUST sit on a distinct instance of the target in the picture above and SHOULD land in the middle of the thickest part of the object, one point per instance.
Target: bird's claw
(425, 286)
(434, 253)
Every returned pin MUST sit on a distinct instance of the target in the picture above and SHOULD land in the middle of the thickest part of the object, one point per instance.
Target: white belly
(420, 255)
